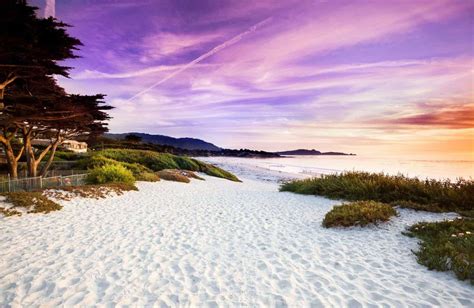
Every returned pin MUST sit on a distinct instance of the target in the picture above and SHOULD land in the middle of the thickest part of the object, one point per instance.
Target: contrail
(50, 9)
(214, 50)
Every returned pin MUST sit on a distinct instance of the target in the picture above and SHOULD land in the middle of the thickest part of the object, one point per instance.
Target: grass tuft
(34, 202)
(430, 195)
(359, 213)
(446, 246)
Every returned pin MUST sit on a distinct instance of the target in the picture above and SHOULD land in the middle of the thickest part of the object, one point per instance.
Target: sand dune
(214, 242)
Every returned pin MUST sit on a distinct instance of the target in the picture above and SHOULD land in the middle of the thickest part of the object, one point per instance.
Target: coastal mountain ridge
(182, 143)
(194, 144)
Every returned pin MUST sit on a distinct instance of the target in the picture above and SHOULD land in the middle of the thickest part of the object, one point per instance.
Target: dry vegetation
(89, 191)
(32, 202)
(359, 213)
(175, 175)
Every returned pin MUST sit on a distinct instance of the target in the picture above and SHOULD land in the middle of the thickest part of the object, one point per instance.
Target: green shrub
(446, 246)
(112, 173)
(359, 213)
(431, 195)
(155, 161)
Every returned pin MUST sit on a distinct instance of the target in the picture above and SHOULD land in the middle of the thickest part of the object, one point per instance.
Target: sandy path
(213, 243)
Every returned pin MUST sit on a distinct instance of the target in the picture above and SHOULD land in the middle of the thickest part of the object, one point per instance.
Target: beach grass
(429, 195)
(358, 213)
(140, 161)
(446, 246)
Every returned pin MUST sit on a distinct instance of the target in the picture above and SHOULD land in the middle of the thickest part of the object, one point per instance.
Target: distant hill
(310, 152)
(182, 143)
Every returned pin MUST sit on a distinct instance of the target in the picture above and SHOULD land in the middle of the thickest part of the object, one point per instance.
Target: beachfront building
(75, 146)
(70, 145)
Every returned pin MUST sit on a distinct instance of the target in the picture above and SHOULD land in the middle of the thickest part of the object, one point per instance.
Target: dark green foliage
(32, 45)
(133, 138)
(35, 202)
(430, 195)
(112, 173)
(468, 213)
(67, 156)
(359, 213)
(155, 161)
(446, 246)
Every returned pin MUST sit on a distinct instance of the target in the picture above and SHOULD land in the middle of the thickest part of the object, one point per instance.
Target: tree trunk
(51, 157)
(12, 161)
(30, 154)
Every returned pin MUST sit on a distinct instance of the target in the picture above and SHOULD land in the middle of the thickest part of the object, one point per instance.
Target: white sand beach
(215, 243)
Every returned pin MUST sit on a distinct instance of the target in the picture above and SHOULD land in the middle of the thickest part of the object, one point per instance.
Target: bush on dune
(430, 195)
(446, 246)
(111, 173)
(155, 161)
(359, 213)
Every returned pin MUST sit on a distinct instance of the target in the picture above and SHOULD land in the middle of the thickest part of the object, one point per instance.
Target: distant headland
(311, 152)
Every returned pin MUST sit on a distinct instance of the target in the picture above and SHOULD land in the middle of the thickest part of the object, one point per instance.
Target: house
(69, 145)
(75, 146)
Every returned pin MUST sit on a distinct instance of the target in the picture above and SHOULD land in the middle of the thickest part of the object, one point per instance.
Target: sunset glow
(368, 77)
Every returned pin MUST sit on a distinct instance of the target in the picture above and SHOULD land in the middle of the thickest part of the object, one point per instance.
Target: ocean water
(313, 165)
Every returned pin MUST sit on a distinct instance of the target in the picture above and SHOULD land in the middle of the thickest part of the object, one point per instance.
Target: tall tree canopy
(32, 104)
(31, 46)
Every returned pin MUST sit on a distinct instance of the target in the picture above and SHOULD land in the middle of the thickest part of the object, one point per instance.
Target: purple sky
(385, 77)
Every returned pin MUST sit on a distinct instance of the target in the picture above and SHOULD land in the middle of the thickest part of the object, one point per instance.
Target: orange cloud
(458, 117)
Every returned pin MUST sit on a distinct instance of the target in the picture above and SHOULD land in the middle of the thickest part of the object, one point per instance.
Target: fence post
(41, 182)
(9, 184)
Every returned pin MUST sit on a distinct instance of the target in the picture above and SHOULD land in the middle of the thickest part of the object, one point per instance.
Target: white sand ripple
(214, 243)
